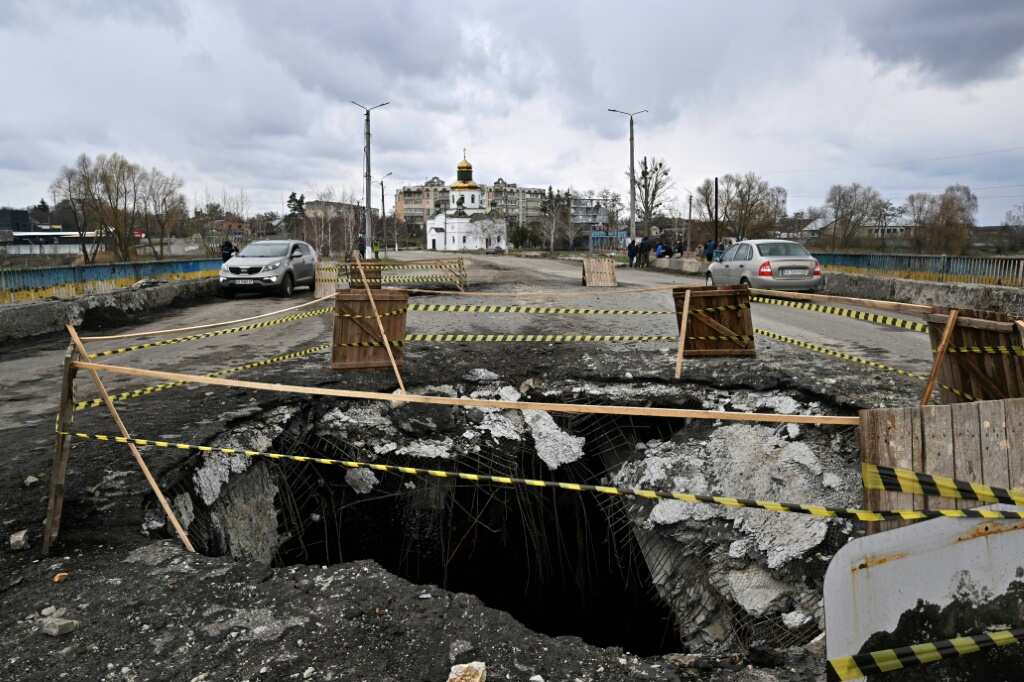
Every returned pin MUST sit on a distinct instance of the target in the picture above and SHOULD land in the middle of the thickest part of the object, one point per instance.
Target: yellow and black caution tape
(529, 309)
(894, 479)
(392, 279)
(542, 310)
(441, 265)
(846, 312)
(515, 338)
(857, 359)
(156, 388)
(988, 350)
(220, 332)
(690, 498)
(887, 660)
(371, 316)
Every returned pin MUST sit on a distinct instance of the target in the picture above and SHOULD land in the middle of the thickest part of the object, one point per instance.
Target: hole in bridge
(560, 562)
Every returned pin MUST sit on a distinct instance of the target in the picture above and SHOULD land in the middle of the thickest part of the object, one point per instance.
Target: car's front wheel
(287, 285)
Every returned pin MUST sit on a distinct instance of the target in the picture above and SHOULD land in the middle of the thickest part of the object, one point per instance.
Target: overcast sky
(904, 96)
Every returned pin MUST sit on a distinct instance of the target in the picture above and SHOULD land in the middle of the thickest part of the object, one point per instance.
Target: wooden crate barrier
(354, 323)
(980, 441)
(979, 376)
(599, 272)
(719, 323)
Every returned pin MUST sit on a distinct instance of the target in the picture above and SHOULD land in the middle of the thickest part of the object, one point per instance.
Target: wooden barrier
(599, 272)
(354, 323)
(331, 275)
(719, 321)
(980, 441)
(978, 375)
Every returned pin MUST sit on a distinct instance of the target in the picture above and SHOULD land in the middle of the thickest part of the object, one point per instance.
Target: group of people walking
(639, 251)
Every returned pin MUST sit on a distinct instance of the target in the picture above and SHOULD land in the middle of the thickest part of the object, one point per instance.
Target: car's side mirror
(296, 254)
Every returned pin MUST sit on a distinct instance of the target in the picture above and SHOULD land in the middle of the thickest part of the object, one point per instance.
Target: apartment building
(415, 205)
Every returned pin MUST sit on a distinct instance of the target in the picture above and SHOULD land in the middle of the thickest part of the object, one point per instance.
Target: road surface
(30, 375)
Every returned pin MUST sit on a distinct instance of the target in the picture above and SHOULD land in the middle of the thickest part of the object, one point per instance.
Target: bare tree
(854, 207)
(612, 202)
(1015, 217)
(73, 185)
(165, 207)
(556, 207)
(943, 223)
(653, 184)
(752, 207)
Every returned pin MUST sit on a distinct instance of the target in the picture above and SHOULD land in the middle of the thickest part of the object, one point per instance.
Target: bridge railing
(28, 284)
(1000, 270)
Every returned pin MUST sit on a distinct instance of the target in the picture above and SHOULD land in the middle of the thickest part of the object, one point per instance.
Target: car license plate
(245, 281)
(793, 272)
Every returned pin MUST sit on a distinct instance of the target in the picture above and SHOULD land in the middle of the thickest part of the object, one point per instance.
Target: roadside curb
(25, 320)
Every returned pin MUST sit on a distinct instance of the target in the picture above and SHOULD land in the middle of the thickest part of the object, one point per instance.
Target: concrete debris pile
(743, 574)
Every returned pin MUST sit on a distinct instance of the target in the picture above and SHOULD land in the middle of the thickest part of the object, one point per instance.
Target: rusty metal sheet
(885, 590)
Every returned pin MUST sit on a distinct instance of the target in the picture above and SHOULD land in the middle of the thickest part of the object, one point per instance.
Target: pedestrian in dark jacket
(631, 253)
(227, 250)
(709, 250)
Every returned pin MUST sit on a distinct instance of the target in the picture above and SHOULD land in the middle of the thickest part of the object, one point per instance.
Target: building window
(463, 240)
(472, 198)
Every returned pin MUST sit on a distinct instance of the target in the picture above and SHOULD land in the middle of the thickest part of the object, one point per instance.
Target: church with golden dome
(467, 223)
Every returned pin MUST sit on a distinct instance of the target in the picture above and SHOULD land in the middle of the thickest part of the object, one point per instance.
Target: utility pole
(716, 212)
(632, 172)
(689, 221)
(368, 255)
(384, 215)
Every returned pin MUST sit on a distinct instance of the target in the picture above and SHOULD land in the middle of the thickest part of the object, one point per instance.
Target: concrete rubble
(468, 672)
(724, 569)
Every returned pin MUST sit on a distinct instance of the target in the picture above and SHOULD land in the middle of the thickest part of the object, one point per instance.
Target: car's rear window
(264, 250)
(782, 249)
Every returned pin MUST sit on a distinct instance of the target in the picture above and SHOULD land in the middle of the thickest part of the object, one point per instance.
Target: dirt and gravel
(144, 610)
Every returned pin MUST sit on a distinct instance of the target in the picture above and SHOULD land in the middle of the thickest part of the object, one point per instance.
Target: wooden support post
(940, 354)
(682, 335)
(62, 452)
(168, 512)
(380, 325)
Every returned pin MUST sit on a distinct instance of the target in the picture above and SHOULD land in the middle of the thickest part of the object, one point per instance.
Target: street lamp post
(366, 155)
(632, 171)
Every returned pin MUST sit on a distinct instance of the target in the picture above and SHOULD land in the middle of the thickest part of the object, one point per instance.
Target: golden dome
(465, 165)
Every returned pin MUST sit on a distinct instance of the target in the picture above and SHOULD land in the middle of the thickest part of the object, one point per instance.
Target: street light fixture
(632, 172)
(368, 250)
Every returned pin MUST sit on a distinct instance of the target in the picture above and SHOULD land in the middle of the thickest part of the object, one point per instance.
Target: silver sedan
(766, 264)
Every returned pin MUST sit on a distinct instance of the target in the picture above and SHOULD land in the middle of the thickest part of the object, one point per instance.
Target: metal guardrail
(1001, 270)
(70, 281)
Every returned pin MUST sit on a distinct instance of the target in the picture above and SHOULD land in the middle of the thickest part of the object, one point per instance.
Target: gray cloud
(950, 40)
(255, 94)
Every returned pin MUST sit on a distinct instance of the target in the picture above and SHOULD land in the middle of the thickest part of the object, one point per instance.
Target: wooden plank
(967, 446)
(380, 325)
(974, 322)
(871, 448)
(918, 455)
(62, 451)
(995, 449)
(907, 308)
(147, 474)
(940, 355)
(937, 445)
(682, 336)
(899, 442)
(568, 408)
(1014, 419)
